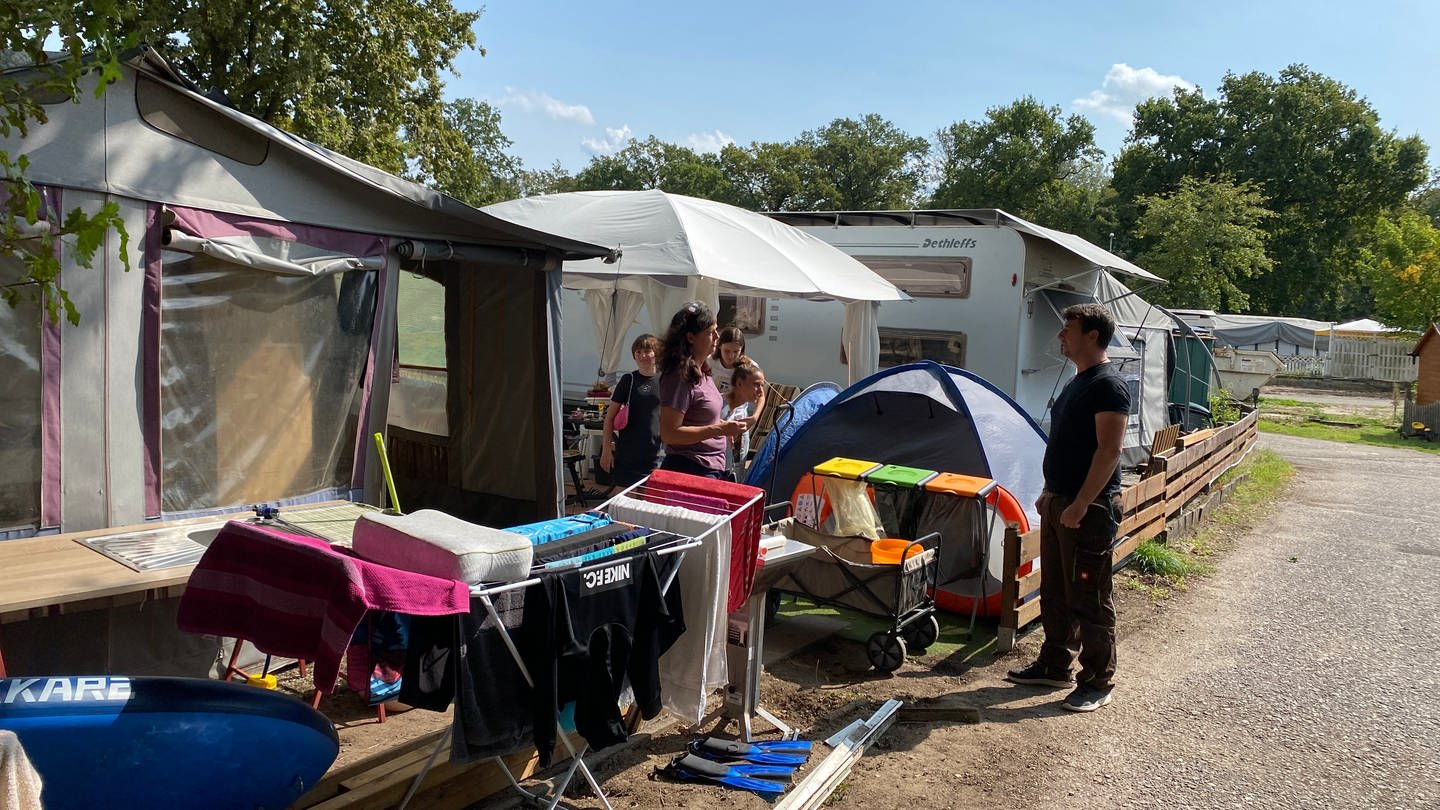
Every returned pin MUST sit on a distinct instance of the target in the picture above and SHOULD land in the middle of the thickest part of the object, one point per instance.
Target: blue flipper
(759, 758)
(779, 752)
(740, 777)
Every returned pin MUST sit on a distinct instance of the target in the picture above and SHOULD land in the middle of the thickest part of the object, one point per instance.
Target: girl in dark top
(630, 453)
(695, 436)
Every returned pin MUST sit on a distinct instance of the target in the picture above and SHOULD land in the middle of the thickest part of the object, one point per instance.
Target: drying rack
(486, 592)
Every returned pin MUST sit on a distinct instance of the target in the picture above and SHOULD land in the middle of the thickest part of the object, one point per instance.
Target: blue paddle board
(150, 742)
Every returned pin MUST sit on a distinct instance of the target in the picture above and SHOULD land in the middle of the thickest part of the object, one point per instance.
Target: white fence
(1371, 359)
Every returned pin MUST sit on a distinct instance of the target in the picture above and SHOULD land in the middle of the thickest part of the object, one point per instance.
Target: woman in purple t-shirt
(694, 434)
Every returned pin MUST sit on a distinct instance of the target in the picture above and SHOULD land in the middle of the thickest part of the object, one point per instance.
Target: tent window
(260, 383)
(174, 113)
(420, 321)
(20, 397)
(744, 311)
(924, 276)
(901, 346)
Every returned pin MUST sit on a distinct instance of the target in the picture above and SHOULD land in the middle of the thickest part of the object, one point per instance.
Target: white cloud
(545, 104)
(614, 141)
(708, 141)
(1124, 87)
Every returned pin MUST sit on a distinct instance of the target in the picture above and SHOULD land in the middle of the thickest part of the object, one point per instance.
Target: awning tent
(671, 247)
(248, 354)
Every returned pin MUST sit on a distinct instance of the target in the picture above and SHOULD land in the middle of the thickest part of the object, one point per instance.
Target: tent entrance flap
(1060, 299)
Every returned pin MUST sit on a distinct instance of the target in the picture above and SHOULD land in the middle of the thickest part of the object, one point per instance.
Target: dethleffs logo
(967, 242)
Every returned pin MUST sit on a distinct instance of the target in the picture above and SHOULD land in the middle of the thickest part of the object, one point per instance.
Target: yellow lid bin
(851, 468)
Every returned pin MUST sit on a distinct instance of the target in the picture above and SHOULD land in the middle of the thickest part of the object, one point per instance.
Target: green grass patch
(1373, 432)
(1154, 557)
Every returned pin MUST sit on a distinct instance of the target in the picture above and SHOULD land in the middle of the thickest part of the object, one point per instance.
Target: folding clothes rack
(675, 544)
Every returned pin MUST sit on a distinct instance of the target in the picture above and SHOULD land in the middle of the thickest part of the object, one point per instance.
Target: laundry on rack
(695, 666)
(546, 531)
(588, 631)
(375, 659)
(466, 658)
(299, 597)
(668, 487)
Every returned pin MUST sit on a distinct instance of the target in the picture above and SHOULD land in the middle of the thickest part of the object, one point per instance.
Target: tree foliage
(473, 164)
(862, 164)
(363, 78)
(1022, 158)
(1206, 239)
(653, 163)
(1313, 149)
(1402, 264)
(90, 50)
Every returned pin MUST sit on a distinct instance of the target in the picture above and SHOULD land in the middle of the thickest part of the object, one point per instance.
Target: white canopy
(676, 237)
(672, 247)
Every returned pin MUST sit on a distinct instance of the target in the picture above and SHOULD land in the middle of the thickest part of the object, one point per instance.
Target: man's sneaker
(1086, 698)
(1037, 674)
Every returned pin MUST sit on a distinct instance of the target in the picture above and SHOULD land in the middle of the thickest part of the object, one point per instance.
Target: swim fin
(778, 752)
(754, 778)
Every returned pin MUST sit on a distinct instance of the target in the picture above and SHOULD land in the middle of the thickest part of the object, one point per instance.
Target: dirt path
(1303, 673)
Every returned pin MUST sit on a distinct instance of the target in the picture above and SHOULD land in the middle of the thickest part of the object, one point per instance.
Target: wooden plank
(1028, 612)
(1124, 549)
(1164, 439)
(1028, 584)
(1029, 548)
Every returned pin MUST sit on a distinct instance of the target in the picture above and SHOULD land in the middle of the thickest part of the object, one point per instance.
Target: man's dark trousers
(1077, 605)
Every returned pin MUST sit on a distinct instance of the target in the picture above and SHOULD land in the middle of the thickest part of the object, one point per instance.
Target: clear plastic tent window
(260, 381)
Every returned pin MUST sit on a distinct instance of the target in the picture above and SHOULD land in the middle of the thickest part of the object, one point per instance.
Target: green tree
(89, 50)
(1205, 239)
(1316, 153)
(362, 78)
(476, 167)
(653, 163)
(1022, 158)
(554, 180)
(1426, 200)
(768, 176)
(1402, 264)
(862, 164)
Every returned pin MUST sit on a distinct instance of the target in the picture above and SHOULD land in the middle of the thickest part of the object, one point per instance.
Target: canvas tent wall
(247, 356)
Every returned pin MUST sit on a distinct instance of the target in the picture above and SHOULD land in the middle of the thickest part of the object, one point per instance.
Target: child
(742, 403)
(631, 453)
(728, 352)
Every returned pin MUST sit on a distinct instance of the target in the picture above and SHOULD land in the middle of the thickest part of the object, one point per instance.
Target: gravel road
(1303, 674)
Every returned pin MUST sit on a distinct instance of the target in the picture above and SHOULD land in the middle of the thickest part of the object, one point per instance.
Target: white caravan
(987, 288)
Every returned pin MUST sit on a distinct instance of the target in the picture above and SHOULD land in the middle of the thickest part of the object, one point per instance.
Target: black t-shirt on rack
(589, 631)
(1068, 454)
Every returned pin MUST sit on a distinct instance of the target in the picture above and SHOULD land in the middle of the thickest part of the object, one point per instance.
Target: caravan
(987, 290)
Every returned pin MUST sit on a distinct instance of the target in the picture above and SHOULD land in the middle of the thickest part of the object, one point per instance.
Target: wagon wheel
(886, 651)
(921, 633)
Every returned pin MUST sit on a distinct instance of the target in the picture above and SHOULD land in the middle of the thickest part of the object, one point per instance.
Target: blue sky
(575, 79)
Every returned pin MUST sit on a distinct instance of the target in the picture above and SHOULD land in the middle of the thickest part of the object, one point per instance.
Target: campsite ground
(1299, 674)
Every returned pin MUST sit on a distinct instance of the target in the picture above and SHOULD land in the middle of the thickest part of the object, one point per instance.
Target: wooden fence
(1173, 478)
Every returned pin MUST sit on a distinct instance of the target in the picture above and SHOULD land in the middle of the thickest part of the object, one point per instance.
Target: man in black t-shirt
(1079, 514)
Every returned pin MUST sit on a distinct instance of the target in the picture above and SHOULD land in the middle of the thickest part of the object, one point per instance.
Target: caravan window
(901, 346)
(20, 399)
(924, 276)
(260, 382)
(745, 311)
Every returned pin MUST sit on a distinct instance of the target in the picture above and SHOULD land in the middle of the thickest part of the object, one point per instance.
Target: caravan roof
(993, 217)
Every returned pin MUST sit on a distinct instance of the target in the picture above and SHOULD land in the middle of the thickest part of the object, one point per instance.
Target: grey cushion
(431, 542)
